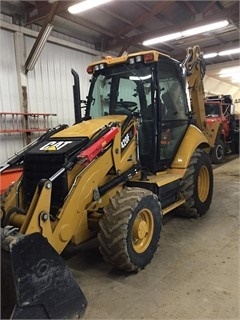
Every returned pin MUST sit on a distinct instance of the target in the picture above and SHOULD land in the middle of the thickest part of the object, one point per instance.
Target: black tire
(217, 153)
(235, 147)
(130, 229)
(197, 185)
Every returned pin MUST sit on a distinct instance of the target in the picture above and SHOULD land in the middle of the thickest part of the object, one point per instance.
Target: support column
(20, 56)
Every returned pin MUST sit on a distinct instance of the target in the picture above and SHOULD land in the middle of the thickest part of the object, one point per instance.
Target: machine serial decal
(126, 138)
(54, 145)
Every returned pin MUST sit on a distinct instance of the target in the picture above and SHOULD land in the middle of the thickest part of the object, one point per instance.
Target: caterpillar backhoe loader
(134, 154)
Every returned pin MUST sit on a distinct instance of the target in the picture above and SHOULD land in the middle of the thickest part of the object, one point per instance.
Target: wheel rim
(219, 152)
(203, 184)
(142, 230)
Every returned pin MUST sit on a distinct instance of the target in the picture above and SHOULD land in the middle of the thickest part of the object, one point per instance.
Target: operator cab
(152, 91)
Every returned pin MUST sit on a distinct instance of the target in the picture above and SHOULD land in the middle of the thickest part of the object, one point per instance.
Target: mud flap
(36, 283)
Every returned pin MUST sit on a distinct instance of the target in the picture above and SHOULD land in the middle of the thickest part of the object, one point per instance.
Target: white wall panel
(49, 86)
(50, 83)
(213, 86)
(9, 95)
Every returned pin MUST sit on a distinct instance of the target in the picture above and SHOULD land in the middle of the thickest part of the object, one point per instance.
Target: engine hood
(88, 128)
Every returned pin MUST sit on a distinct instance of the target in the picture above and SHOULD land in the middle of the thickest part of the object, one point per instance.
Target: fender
(193, 139)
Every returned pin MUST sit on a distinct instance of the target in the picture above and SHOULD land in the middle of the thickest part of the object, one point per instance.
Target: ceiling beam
(159, 16)
(235, 24)
(119, 42)
(142, 18)
(42, 8)
(87, 24)
(211, 5)
(187, 5)
(124, 48)
(114, 15)
(179, 53)
(142, 5)
(227, 45)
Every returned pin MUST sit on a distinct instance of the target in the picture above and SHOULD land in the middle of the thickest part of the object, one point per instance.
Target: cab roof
(109, 60)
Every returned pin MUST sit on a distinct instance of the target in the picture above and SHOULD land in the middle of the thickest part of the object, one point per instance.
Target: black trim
(119, 179)
(167, 194)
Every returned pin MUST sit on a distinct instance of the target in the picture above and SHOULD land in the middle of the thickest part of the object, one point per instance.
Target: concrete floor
(194, 273)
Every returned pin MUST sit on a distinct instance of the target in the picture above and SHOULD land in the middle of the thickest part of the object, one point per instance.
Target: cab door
(172, 111)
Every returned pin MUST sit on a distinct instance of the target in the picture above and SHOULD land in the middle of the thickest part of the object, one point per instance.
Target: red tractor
(221, 109)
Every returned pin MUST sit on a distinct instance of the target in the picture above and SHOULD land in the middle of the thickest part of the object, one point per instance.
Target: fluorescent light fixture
(230, 70)
(225, 75)
(210, 55)
(236, 76)
(86, 5)
(222, 53)
(187, 33)
(236, 80)
(206, 28)
(166, 38)
(30, 64)
(232, 73)
(228, 52)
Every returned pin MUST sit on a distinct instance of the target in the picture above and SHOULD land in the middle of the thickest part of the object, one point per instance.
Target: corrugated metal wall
(49, 86)
(50, 83)
(9, 95)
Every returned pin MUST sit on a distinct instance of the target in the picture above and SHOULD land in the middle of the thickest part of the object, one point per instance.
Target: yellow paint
(203, 184)
(191, 141)
(117, 60)
(65, 233)
(173, 206)
(142, 231)
(89, 127)
(40, 203)
(165, 177)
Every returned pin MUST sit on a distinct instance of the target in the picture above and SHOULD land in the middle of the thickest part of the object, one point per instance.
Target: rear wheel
(197, 186)
(217, 153)
(130, 229)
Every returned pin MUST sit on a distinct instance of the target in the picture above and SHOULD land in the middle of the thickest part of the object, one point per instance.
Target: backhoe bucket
(36, 283)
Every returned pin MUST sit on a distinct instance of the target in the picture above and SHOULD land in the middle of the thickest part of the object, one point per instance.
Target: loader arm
(89, 171)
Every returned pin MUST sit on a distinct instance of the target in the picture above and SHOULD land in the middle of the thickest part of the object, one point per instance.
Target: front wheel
(197, 185)
(130, 229)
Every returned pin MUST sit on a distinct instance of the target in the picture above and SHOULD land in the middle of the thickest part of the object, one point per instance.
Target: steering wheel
(128, 105)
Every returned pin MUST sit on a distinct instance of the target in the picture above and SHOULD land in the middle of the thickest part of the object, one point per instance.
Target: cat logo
(54, 145)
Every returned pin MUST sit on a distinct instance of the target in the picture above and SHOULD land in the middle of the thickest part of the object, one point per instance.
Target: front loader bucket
(36, 283)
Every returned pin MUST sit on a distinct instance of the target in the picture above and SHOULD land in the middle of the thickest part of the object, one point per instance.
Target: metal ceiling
(122, 25)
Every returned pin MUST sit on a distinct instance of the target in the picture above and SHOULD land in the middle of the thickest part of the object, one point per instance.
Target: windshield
(212, 109)
(122, 89)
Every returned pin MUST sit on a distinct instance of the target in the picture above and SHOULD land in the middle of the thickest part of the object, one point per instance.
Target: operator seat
(171, 112)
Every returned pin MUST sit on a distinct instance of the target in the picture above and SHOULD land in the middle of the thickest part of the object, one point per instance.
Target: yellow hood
(89, 127)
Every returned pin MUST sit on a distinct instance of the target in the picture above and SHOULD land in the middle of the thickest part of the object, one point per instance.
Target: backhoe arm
(195, 66)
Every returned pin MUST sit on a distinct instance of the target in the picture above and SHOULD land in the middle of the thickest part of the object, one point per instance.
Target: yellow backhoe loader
(135, 153)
